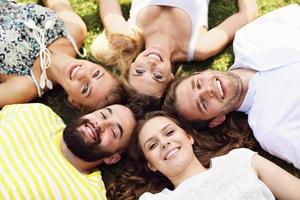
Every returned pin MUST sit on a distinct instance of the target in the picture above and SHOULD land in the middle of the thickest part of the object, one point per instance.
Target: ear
(171, 77)
(151, 167)
(112, 159)
(74, 104)
(217, 121)
(191, 139)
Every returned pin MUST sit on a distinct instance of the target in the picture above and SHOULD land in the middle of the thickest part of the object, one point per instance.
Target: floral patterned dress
(18, 48)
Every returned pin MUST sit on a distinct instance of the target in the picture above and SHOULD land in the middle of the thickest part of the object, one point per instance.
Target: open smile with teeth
(74, 70)
(171, 153)
(92, 133)
(154, 56)
(220, 89)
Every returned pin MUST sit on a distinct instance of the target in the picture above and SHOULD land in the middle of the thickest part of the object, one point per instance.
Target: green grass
(218, 11)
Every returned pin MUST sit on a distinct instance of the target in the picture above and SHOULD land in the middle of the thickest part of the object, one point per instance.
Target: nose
(82, 74)
(207, 91)
(165, 144)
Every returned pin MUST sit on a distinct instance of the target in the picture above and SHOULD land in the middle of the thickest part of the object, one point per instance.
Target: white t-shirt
(271, 45)
(230, 177)
(197, 10)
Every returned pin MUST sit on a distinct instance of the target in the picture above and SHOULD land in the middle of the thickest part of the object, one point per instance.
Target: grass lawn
(218, 11)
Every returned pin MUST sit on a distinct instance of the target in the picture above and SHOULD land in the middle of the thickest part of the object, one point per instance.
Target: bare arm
(17, 89)
(211, 42)
(111, 16)
(282, 184)
(73, 22)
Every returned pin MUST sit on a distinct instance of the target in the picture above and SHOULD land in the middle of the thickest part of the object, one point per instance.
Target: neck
(192, 169)
(81, 165)
(57, 72)
(245, 76)
(162, 42)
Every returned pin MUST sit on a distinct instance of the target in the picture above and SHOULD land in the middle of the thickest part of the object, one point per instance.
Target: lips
(91, 132)
(73, 69)
(155, 55)
(171, 154)
(220, 89)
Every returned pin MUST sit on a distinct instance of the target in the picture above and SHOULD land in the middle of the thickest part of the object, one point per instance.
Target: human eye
(85, 89)
(157, 76)
(170, 132)
(114, 133)
(204, 105)
(152, 146)
(102, 115)
(96, 74)
(139, 71)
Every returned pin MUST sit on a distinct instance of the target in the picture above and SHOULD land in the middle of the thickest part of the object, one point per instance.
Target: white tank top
(197, 10)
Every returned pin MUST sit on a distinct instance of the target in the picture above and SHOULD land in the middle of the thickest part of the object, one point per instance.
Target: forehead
(154, 126)
(147, 85)
(123, 115)
(101, 88)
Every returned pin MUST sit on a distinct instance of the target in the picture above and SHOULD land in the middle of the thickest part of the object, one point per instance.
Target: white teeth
(154, 56)
(171, 153)
(220, 89)
(75, 70)
(90, 132)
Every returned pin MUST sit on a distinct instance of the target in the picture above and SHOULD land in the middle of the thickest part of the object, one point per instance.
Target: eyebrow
(193, 84)
(118, 125)
(91, 88)
(161, 130)
(199, 108)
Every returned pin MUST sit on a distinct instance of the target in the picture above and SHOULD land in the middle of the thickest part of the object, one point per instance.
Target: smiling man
(41, 158)
(263, 83)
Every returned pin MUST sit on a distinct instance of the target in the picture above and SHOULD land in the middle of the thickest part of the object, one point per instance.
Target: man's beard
(74, 140)
(232, 103)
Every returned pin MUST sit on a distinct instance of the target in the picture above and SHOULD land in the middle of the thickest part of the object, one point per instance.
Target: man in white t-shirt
(263, 83)
(41, 158)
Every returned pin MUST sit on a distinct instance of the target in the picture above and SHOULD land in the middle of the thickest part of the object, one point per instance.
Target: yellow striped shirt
(31, 163)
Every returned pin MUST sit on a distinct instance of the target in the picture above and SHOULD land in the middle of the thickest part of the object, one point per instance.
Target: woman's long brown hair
(137, 178)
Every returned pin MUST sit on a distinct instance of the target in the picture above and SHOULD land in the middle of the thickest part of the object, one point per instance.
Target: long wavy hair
(118, 49)
(137, 178)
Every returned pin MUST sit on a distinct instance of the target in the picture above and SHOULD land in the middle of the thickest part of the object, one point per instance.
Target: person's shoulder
(30, 108)
(240, 156)
(157, 196)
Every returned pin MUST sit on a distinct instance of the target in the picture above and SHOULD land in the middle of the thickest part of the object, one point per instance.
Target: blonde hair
(118, 49)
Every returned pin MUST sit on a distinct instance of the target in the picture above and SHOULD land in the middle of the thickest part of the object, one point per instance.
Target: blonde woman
(160, 33)
(37, 52)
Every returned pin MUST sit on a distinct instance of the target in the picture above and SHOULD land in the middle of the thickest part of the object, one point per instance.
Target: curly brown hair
(137, 178)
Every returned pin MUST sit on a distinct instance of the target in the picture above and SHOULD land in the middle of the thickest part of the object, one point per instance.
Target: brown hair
(141, 103)
(137, 178)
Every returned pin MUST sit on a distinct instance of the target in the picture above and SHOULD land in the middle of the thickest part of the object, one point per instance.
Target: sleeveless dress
(25, 32)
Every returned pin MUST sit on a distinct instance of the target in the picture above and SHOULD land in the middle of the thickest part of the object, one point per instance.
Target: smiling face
(101, 133)
(208, 94)
(150, 73)
(166, 146)
(88, 84)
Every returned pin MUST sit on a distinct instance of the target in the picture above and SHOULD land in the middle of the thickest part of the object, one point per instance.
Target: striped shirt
(31, 163)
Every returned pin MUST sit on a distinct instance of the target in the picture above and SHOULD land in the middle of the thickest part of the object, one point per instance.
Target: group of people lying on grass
(170, 155)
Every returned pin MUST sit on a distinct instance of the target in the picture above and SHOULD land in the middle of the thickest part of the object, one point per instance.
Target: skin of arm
(74, 24)
(18, 89)
(21, 88)
(282, 184)
(210, 43)
(111, 16)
